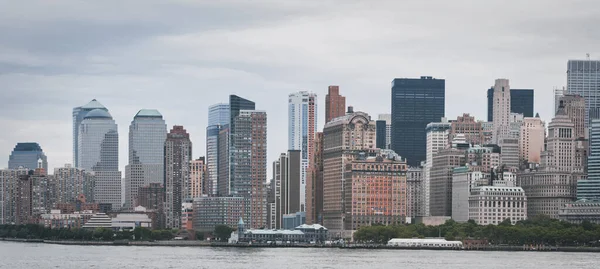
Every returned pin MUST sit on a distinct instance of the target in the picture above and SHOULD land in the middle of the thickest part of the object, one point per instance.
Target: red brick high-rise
(335, 104)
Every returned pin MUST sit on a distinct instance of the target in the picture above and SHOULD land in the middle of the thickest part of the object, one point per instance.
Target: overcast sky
(183, 56)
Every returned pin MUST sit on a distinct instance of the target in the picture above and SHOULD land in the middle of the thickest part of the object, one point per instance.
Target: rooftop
(28, 146)
(98, 114)
(148, 113)
(93, 105)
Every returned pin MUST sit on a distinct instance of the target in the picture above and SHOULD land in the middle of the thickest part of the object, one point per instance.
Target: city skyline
(99, 70)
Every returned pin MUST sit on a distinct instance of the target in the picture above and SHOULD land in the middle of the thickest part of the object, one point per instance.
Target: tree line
(34, 231)
(537, 230)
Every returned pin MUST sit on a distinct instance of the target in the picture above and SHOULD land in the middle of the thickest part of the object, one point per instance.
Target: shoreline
(178, 243)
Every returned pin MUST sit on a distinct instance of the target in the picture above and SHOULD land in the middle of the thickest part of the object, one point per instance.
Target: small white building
(129, 221)
(424, 243)
(494, 204)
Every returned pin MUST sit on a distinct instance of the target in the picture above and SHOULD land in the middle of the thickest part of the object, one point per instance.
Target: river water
(40, 256)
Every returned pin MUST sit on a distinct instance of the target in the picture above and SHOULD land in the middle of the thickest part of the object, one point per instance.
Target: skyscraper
(302, 125)
(574, 106)
(387, 118)
(590, 189)
(583, 78)
(501, 110)
(78, 115)
(467, 125)
(521, 101)
(314, 183)
(218, 118)
(72, 182)
(381, 127)
(147, 135)
(287, 177)
(415, 103)
(178, 154)
(27, 155)
(344, 138)
(335, 104)
(249, 164)
(197, 178)
(437, 134)
(98, 151)
(531, 140)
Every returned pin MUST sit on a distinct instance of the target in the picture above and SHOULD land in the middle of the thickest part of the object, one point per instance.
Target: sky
(182, 56)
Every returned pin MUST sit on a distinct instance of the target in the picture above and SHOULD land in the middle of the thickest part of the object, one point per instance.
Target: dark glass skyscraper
(27, 156)
(521, 101)
(415, 103)
(381, 127)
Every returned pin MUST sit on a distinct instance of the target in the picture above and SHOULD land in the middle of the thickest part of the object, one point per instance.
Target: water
(41, 256)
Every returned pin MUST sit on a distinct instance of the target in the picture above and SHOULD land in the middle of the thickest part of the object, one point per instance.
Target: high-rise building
(376, 191)
(415, 195)
(509, 151)
(343, 139)
(443, 164)
(380, 126)
(583, 78)
(521, 101)
(555, 183)
(302, 126)
(218, 119)
(575, 109)
(387, 118)
(178, 154)
(72, 182)
(464, 179)
(415, 103)
(27, 155)
(147, 135)
(218, 114)
(223, 182)
(78, 116)
(589, 189)
(98, 152)
(501, 110)
(314, 183)
(8, 183)
(198, 178)
(335, 104)
(236, 104)
(531, 140)
(559, 93)
(249, 164)
(287, 176)
(467, 126)
(437, 134)
(210, 211)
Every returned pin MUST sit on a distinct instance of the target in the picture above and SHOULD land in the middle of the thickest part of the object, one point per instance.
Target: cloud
(183, 56)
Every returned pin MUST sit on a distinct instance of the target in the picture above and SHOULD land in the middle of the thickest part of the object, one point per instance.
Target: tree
(223, 232)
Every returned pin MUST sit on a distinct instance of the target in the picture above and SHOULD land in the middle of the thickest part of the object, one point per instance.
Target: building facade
(98, 152)
(73, 182)
(493, 205)
(575, 108)
(198, 182)
(249, 164)
(501, 110)
(387, 118)
(442, 170)
(314, 184)
(302, 126)
(343, 139)
(590, 189)
(178, 154)
(378, 191)
(218, 119)
(470, 128)
(27, 155)
(583, 79)
(147, 135)
(531, 140)
(211, 211)
(415, 103)
(335, 104)
(415, 197)
(437, 138)
(78, 116)
(521, 101)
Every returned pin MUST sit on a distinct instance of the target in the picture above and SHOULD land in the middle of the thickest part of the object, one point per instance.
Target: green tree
(223, 232)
